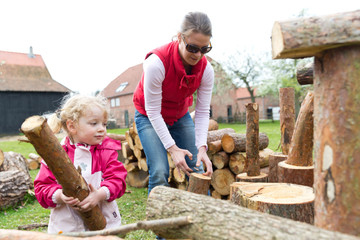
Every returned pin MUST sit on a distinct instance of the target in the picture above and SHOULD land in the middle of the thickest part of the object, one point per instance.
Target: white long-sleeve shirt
(154, 75)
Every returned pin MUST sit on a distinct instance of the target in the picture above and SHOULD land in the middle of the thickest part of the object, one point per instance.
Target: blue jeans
(183, 133)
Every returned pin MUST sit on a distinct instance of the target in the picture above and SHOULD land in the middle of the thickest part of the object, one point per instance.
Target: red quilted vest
(177, 87)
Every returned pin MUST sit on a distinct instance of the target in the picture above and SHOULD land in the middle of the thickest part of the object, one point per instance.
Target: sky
(86, 44)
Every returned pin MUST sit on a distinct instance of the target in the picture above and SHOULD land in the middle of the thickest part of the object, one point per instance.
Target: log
(237, 162)
(307, 37)
(215, 219)
(179, 175)
(126, 150)
(274, 160)
(34, 156)
(337, 141)
(33, 164)
(218, 134)
(170, 161)
(287, 117)
(129, 140)
(142, 164)
(199, 184)
(214, 147)
(137, 178)
(291, 201)
(139, 153)
(215, 194)
(244, 177)
(115, 136)
(305, 74)
(137, 142)
(252, 165)
(1, 157)
(221, 180)
(6, 234)
(264, 157)
(302, 175)
(213, 125)
(301, 146)
(48, 147)
(15, 161)
(220, 160)
(13, 188)
(236, 142)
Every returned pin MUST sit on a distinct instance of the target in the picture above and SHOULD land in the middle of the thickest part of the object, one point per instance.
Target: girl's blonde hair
(73, 107)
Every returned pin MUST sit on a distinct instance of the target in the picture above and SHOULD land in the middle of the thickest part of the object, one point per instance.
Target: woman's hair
(73, 107)
(196, 22)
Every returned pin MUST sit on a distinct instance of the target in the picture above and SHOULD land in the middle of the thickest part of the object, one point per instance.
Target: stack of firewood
(227, 151)
(34, 161)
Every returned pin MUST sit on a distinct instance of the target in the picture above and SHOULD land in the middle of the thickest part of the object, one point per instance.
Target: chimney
(31, 54)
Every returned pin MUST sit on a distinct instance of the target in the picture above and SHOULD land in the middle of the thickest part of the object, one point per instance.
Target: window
(122, 87)
(112, 102)
(115, 102)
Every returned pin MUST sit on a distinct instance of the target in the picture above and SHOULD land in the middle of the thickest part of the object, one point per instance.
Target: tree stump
(274, 160)
(285, 200)
(48, 147)
(244, 177)
(302, 175)
(215, 219)
(287, 117)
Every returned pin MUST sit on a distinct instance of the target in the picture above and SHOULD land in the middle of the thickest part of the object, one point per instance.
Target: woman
(171, 74)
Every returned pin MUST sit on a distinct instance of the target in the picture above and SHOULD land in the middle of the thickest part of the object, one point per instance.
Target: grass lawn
(132, 205)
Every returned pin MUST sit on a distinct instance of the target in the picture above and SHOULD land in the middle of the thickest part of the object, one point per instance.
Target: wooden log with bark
(237, 162)
(220, 160)
(198, 183)
(305, 74)
(274, 160)
(285, 200)
(49, 148)
(136, 177)
(287, 117)
(264, 156)
(221, 180)
(13, 161)
(214, 147)
(209, 216)
(236, 142)
(115, 136)
(308, 37)
(334, 41)
(252, 165)
(213, 125)
(218, 134)
(299, 168)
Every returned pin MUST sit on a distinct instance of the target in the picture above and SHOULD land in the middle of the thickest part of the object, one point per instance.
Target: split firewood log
(129, 139)
(139, 153)
(126, 150)
(218, 134)
(236, 142)
(137, 142)
(285, 200)
(137, 178)
(179, 175)
(221, 180)
(220, 160)
(142, 164)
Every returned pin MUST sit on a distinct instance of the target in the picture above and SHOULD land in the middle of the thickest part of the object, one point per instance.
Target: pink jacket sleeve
(114, 175)
(45, 185)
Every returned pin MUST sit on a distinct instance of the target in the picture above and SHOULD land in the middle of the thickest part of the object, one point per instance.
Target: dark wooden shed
(26, 89)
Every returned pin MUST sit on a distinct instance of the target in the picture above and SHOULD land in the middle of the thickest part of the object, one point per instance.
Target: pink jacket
(100, 168)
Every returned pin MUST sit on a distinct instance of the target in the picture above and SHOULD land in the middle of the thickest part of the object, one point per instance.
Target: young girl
(84, 119)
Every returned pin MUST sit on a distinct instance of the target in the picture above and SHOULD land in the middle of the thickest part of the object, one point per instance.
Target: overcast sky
(86, 44)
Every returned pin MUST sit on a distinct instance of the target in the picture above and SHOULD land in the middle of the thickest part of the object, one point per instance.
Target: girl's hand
(202, 156)
(178, 157)
(62, 198)
(95, 196)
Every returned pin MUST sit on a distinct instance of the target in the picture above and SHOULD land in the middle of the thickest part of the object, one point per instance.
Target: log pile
(15, 180)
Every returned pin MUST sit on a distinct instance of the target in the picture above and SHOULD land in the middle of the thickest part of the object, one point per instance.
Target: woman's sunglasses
(194, 49)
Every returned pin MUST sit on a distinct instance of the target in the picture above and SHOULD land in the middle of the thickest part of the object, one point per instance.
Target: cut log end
(243, 177)
(277, 42)
(33, 124)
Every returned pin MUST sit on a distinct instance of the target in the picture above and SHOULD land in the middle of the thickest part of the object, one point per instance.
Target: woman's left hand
(203, 157)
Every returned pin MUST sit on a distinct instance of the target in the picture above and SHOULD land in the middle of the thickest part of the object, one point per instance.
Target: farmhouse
(26, 89)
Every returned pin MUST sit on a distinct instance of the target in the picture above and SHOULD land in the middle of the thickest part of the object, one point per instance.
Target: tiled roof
(19, 72)
(132, 76)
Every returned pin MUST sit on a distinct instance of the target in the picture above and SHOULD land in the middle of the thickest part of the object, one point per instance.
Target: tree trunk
(307, 37)
(274, 160)
(215, 219)
(48, 147)
(221, 180)
(218, 134)
(220, 160)
(237, 162)
(301, 147)
(236, 142)
(252, 165)
(337, 141)
(287, 117)
(199, 183)
(6, 234)
(305, 74)
(284, 200)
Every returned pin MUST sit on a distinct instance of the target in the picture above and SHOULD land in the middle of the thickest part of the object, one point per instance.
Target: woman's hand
(203, 157)
(178, 157)
(95, 196)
